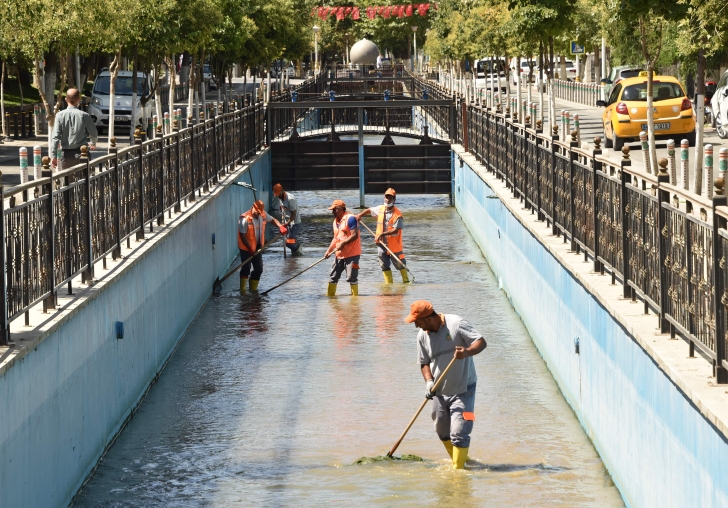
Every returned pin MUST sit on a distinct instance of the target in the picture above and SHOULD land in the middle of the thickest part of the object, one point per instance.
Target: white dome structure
(364, 52)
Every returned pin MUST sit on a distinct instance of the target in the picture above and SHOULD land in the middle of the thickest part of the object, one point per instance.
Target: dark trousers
(71, 157)
(256, 264)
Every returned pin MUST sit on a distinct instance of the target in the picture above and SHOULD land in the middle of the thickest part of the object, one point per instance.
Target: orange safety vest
(341, 233)
(250, 233)
(394, 242)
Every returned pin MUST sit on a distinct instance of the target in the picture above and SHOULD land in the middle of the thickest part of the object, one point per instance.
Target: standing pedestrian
(251, 238)
(453, 405)
(347, 247)
(290, 217)
(389, 233)
(72, 129)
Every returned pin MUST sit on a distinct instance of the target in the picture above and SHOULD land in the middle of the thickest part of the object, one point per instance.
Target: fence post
(627, 290)
(596, 166)
(88, 274)
(465, 126)
(5, 334)
(50, 301)
(708, 159)
(572, 204)
(671, 161)
(663, 196)
(178, 183)
(138, 143)
(554, 138)
(720, 299)
(192, 164)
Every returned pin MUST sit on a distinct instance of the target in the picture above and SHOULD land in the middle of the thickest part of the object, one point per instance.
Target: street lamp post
(316, 30)
(347, 57)
(414, 37)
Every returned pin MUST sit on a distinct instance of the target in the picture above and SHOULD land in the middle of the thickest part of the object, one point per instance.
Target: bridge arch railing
(666, 246)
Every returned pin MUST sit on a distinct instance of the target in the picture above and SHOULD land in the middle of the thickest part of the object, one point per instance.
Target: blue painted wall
(657, 446)
(63, 403)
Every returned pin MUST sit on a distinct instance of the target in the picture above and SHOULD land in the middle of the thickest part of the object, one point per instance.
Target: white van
(99, 106)
(485, 78)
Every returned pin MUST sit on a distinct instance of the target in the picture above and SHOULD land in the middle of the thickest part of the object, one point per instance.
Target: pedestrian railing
(181, 93)
(62, 224)
(573, 91)
(654, 237)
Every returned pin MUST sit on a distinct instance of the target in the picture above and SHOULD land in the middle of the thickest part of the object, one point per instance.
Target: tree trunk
(540, 81)
(37, 80)
(172, 81)
(191, 90)
(700, 115)
(134, 81)
(562, 68)
(2, 101)
(51, 72)
(552, 99)
(114, 71)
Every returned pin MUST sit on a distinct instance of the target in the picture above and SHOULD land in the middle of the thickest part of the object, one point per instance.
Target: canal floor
(268, 401)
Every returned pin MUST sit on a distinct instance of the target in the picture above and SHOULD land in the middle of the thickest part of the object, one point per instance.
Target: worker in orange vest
(389, 232)
(347, 247)
(251, 238)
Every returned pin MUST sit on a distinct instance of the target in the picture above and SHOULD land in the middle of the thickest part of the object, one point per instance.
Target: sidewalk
(9, 150)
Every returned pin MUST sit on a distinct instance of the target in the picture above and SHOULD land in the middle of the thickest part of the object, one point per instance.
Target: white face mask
(388, 205)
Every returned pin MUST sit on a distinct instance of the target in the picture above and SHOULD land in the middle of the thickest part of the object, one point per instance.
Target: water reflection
(268, 401)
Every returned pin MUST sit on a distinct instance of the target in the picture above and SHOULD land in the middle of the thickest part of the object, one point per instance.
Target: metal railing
(61, 225)
(574, 91)
(651, 235)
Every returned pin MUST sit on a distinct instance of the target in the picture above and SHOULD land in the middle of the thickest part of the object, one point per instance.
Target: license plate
(658, 126)
(122, 118)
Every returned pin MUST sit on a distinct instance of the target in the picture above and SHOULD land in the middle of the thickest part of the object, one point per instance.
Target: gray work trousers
(385, 259)
(447, 413)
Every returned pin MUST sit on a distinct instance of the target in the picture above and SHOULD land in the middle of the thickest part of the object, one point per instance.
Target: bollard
(645, 150)
(23, 165)
(36, 118)
(524, 111)
(671, 161)
(562, 134)
(567, 120)
(708, 160)
(577, 129)
(167, 130)
(155, 124)
(684, 151)
(37, 163)
(723, 163)
(59, 158)
(488, 99)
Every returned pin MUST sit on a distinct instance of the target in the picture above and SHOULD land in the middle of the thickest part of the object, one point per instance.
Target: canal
(269, 401)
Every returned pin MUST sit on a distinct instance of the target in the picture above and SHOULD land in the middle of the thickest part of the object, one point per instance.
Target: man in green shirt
(71, 130)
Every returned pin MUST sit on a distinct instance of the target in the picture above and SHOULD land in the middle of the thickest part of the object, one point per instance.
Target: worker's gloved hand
(428, 391)
(283, 230)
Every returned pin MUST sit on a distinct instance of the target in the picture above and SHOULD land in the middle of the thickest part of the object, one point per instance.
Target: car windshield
(123, 85)
(631, 73)
(484, 66)
(569, 64)
(660, 92)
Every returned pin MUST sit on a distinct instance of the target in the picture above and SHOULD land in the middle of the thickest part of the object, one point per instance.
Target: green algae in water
(381, 458)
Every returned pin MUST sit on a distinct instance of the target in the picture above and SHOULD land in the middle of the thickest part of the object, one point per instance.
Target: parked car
(486, 76)
(290, 70)
(719, 107)
(522, 69)
(208, 76)
(625, 113)
(100, 100)
(619, 73)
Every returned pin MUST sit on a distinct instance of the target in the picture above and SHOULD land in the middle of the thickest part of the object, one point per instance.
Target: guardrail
(653, 236)
(582, 93)
(62, 224)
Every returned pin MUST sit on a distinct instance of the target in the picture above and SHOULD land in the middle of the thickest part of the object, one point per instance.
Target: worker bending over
(251, 238)
(389, 233)
(290, 217)
(453, 405)
(347, 246)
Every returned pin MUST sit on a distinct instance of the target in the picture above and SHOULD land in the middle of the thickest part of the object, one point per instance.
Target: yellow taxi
(625, 111)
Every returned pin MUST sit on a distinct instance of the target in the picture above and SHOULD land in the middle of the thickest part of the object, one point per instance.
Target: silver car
(719, 107)
(100, 101)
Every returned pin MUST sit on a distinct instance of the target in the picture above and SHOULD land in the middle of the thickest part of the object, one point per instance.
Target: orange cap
(419, 309)
(277, 189)
(339, 203)
(258, 205)
(390, 192)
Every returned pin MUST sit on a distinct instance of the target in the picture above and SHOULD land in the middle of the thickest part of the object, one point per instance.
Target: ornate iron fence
(654, 238)
(60, 226)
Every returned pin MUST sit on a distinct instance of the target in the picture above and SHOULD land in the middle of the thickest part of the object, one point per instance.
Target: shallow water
(269, 401)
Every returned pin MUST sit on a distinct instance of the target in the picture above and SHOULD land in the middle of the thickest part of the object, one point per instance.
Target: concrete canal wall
(70, 385)
(630, 387)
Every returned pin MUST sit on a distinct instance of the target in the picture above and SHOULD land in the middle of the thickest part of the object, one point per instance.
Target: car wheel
(690, 136)
(607, 141)
(617, 143)
(722, 132)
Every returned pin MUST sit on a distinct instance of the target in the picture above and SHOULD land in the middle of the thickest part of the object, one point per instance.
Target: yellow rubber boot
(355, 290)
(243, 284)
(459, 457)
(388, 276)
(254, 285)
(448, 447)
(405, 275)
(332, 289)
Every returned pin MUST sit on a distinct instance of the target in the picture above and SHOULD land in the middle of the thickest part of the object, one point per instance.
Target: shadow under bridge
(365, 141)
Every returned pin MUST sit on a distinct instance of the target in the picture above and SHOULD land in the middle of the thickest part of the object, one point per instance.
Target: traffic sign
(576, 49)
